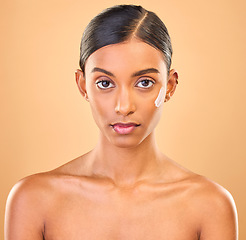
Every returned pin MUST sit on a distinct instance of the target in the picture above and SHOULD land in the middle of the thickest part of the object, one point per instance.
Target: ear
(80, 80)
(171, 84)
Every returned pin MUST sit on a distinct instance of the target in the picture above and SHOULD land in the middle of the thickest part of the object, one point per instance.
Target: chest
(121, 217)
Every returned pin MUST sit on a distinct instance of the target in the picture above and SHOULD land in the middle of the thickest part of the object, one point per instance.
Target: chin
(125, 144)
(127, 141)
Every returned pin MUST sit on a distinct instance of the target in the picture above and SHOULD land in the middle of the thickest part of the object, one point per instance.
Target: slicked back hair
(121, 23)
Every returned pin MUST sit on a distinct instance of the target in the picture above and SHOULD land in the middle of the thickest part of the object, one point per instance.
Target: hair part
(121, 23)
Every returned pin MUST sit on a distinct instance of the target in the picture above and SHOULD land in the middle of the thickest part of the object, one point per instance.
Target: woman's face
(122, 82)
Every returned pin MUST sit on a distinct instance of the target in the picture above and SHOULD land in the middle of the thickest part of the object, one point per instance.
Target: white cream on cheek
(161, 97)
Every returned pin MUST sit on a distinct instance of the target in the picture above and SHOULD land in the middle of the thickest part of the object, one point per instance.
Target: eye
(145, 83)
(104, 84)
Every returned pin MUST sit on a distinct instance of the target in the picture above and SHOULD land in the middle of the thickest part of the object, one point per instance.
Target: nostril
(125, 109)
(125, 104)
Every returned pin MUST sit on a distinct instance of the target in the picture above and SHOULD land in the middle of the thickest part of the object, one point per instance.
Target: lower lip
(124, 129)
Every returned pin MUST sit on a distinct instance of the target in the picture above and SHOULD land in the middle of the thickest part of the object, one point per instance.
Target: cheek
(149, 109)
(154, 108)
(161, 97)
(98, 106)
(153, 116)
(101, 108)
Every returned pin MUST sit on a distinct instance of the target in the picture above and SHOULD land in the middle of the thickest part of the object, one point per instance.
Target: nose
(125, 102)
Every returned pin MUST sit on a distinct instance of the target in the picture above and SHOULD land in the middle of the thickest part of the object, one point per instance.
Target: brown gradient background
(45, 122)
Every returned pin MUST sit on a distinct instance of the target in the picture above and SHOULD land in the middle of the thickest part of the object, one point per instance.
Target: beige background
(45, 122)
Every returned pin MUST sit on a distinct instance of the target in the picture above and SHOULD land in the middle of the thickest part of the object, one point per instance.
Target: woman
(125, 188)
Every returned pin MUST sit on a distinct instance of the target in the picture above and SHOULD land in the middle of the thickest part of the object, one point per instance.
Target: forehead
(126, 57)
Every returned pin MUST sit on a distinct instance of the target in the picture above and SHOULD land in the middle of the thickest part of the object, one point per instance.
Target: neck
(126, 166)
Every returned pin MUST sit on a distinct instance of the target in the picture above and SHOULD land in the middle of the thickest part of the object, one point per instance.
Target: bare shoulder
(38, 188)
(25, 208)
(210, 204)
(216, 209)
(30, 193)
(212, 193)
(47, 185)
(201, 189)
(30, 185)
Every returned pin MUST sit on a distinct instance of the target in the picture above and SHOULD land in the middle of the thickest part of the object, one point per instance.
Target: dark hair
(118, 24)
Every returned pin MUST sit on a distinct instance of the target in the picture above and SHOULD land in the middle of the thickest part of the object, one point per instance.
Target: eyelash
(99, 84)
(148, 80)
(103, 88)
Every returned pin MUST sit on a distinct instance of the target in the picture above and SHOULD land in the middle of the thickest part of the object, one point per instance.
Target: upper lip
(125, 124)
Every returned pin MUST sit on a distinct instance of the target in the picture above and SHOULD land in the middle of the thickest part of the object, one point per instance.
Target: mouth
(124, 128)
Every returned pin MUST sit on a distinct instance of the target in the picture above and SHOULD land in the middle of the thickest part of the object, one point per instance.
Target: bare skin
(125, 188)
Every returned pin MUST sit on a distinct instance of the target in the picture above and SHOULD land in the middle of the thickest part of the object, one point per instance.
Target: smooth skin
(125, 188)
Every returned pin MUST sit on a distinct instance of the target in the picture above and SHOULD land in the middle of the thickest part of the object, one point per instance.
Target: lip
(124, 128)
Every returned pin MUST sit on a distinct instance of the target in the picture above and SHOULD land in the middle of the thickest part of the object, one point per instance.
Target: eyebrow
(138, 73)
(96, 69)
(144, 71)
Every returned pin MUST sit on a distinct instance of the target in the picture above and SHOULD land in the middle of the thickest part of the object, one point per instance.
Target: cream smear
(161, 97)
